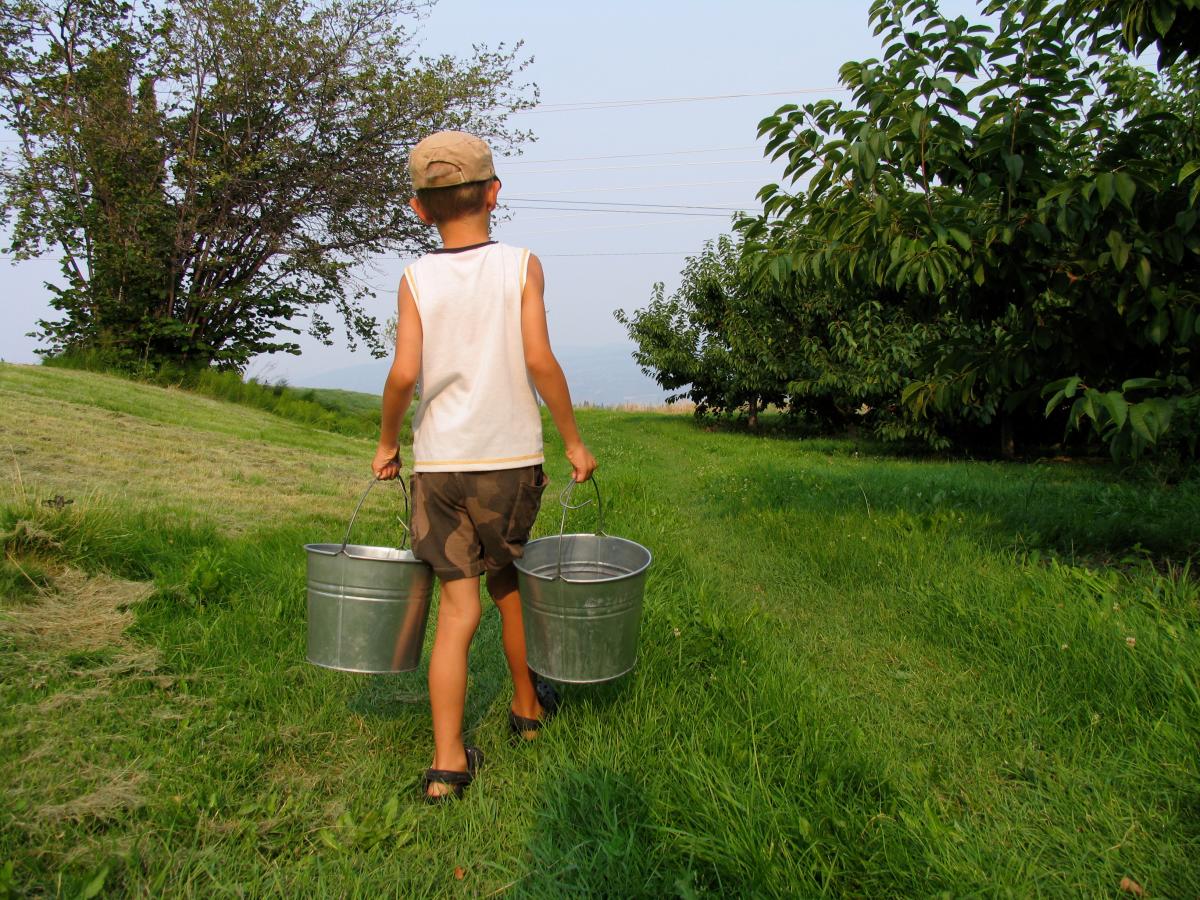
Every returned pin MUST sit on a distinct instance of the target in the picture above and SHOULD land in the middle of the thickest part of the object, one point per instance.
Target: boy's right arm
(546, 373)
(401, 381)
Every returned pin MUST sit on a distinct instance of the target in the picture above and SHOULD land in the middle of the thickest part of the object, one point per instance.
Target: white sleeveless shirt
(478, 409)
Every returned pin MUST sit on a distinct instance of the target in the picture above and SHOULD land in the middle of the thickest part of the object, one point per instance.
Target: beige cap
(448, 158)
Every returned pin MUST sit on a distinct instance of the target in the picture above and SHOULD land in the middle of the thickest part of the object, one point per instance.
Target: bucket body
(582, 619)
(367, 607)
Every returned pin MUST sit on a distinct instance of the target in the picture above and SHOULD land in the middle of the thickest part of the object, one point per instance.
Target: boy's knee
(461, 616)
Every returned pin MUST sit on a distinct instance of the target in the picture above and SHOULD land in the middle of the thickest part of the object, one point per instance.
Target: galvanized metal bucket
(367, 606)
(581, 601)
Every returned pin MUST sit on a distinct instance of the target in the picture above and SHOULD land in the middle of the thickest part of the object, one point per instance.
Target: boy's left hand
(386, 464)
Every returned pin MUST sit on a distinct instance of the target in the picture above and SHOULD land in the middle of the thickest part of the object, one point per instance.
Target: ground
(858, 674)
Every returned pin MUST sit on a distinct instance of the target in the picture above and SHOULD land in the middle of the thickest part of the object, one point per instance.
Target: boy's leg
(458, 617)
(502, 585)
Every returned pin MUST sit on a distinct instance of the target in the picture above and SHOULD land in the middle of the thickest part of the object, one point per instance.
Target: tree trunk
(1007, 446)
(752, 421)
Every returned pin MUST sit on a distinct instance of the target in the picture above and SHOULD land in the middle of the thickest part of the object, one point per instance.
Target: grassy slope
(857, 676)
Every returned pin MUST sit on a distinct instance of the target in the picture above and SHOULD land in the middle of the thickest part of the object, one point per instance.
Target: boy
(472, 331)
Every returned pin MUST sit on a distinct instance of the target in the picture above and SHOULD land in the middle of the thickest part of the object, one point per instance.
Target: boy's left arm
(400, 384)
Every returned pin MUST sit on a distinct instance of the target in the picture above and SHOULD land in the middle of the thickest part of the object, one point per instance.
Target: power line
(691, 252)
(515, 161)
(631, 212)
(620, 253)
(625, 203)
(622, 225)
(661, 165)
(646, 187)
(587, 105)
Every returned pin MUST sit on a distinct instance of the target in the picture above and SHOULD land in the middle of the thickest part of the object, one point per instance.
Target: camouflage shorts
(468, 523)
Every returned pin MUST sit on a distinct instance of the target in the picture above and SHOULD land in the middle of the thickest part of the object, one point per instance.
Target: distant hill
(604, 376)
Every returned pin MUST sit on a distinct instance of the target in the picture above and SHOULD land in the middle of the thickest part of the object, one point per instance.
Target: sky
(698, 153)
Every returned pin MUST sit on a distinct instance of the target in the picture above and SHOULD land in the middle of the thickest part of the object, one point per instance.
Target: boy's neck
(466, 231)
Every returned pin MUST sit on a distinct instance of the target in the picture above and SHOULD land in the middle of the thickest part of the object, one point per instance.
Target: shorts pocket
(525, 509)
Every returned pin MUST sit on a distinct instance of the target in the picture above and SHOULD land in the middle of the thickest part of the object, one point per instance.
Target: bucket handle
(564, 500)
(403, 522)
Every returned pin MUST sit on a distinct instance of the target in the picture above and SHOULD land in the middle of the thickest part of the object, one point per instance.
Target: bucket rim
(603, 680)
(347, 550)
(519, 562)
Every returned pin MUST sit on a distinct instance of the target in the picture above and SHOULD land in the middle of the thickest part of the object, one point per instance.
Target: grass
(343, 412)
(858, 675)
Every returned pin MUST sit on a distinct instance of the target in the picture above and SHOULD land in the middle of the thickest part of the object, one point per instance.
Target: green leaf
(980, 276)
(1078, 408)
(961, 238)
(1117, 408)
(1089, 404)
(1189, 169)
(1160, 327)
(390, 810)
(1137, 421)
(1105, 188)
(326, 837)
(1120, 249)
(1126, 188)
(1015, 165)
(915, 124)
(1135, 384)
(1163, 16)
(95, 886)
(1143, 273)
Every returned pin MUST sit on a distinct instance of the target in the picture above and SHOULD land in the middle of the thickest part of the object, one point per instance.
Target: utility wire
(691, 252)
(623, 253)
(632, 212)
(588, 105)
(646, 187)
(624, 203)
(661, 165)
(626, 226)
(519, 161)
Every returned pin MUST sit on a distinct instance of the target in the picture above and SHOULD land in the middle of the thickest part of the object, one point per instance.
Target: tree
(1034, 208)
(1171, 26)
(717, 338)
(212, 173)
(729, 341)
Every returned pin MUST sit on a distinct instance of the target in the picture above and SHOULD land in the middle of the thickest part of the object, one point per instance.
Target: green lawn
(858, 675)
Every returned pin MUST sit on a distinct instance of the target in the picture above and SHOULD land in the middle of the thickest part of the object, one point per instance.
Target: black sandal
(458, 781)
(519, 725)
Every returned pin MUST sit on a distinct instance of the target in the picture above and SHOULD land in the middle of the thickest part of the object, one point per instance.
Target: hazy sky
(700, 153)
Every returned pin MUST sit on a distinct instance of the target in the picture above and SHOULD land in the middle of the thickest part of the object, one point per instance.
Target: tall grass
(857, 676)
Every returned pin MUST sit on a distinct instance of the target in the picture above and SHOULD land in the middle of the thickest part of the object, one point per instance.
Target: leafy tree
(716, 339)
(728, 342)
(1171, 26)
(212, 173)
(1031, 208)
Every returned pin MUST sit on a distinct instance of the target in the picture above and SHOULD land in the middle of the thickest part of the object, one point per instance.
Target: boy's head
(453, 175)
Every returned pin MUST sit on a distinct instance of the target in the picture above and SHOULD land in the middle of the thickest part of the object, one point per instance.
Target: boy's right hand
(582, 462)
(386, 464)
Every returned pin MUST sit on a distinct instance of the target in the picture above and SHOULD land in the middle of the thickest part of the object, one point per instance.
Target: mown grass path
(858, 675)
